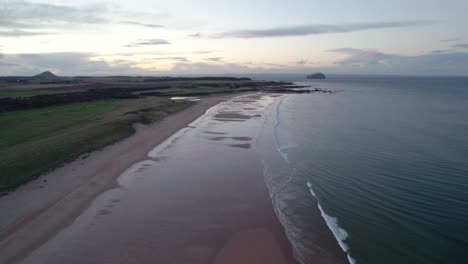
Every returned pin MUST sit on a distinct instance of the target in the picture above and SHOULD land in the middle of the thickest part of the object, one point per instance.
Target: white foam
(310, 189)
(339, 233)
(332, 222)
(351, 260)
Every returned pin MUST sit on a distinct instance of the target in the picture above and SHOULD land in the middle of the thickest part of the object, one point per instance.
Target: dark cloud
(462, 45)
(147, 42)
(314, 29)
(134, 23)
(215, 59)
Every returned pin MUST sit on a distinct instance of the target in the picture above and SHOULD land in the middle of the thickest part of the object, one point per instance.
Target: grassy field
(26, 93)
(37, 140)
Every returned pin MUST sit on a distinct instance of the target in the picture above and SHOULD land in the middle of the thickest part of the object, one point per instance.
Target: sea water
(381, 166)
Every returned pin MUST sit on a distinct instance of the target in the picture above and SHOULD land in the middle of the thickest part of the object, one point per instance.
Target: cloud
(88, 64)
(23, 14)
(65, 63)
(450, 40)
(462, 45)
(23, 33)
(354, 61)
(313, 29)
(443, 51)
(371, 61)
(353, 51)
(134, 23)
(180, 59)
(202, 52)
(302, 62)
(215, 59)
(210, 68)
(18, 16)
(196, 35)
(147, 42)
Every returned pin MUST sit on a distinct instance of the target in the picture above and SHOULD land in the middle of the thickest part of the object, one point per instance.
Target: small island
(317, 75)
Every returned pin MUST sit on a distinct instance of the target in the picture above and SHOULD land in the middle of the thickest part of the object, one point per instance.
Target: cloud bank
(179, 59)
(354, 61)
(22, 33)
(147, 42)
(313, 29)
(215, 59)
(65, 63)
(462, 46)
(134, 23)
(23, 14)
(375, 62)
(23, 18)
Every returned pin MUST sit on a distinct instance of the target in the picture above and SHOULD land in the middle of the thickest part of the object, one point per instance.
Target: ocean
(381, 166)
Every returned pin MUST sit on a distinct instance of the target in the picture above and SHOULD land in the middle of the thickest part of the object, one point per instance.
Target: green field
(26, 93)
(37, 140)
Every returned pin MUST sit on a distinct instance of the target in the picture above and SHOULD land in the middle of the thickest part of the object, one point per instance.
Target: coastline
(41, 209)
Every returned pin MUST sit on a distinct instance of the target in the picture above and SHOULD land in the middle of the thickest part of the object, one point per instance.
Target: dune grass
(35, 141)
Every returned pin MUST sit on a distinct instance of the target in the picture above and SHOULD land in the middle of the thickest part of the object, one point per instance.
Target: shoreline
(39, 210)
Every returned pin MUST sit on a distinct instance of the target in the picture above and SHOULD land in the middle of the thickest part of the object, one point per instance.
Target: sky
(153, 37)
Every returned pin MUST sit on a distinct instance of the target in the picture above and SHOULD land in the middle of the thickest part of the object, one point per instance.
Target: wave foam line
(332, 222)
(275, 192)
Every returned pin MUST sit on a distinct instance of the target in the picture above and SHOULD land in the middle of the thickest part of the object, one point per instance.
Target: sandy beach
(44, 212)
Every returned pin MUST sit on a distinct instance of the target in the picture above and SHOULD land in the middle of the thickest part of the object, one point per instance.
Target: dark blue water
(387, 161)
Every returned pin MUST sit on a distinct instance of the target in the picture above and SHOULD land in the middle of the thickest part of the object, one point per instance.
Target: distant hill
(317, 75)
(45, 75)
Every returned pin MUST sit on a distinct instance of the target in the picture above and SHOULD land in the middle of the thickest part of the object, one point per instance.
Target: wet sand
(174, 208)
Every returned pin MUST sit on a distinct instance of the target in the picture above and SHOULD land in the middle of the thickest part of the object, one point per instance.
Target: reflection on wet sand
(215, 133)
(231, 115)
(233, 138)
(245, 146)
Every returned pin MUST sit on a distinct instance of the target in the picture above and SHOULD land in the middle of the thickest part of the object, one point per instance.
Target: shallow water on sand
(181, 205)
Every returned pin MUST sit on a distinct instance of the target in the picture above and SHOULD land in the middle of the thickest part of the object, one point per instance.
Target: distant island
(317, 75)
